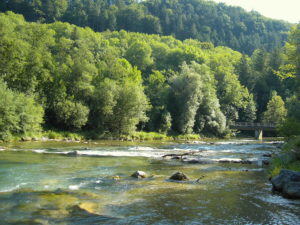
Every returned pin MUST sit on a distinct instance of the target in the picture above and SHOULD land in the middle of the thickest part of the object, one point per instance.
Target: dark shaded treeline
(203, 20)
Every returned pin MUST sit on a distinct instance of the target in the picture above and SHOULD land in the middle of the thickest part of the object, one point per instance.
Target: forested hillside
(203, 20)
(73, 78)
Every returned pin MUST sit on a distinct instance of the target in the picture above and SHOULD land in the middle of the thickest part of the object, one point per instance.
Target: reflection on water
(42, 183)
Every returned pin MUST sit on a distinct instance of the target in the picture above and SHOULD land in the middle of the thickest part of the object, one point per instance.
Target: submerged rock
(247, 161)
(72, 153)
(176, 157)
(139, 174)
(199, 161)
(179, 176)
(85, 212)
(266, 162)
(288, 183)
(85, 207)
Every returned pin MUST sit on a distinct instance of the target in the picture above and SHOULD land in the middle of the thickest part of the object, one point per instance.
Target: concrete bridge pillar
(258, 134)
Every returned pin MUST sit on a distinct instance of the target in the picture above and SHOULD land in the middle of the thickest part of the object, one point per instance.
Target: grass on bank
(81, 136)
(288, 159)
(47, 135)
(152, 136)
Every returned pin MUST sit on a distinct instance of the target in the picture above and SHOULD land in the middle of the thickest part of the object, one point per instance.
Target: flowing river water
(47, 183)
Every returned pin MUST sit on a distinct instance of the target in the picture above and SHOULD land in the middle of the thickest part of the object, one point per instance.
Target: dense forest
(62, 76)
(203, 20)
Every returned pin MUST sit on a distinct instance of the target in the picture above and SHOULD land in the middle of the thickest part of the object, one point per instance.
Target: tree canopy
(119, 81)
(203, 20)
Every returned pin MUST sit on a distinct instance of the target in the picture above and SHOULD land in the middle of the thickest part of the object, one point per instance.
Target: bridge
(257, 127)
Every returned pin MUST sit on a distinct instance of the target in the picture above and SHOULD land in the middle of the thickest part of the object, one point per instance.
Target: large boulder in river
(139, 174)
(288, 183)
(179, 176)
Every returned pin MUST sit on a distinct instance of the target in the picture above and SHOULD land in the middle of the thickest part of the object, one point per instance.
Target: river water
(46, 183)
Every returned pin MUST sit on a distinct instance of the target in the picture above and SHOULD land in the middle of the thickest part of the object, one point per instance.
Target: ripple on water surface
(54, 185)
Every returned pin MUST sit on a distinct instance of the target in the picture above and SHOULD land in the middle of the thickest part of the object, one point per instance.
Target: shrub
(72, 115)
(19, 114)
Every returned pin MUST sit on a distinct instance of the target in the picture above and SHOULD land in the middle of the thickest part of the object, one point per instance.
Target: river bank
(288, 158)
(90, 136)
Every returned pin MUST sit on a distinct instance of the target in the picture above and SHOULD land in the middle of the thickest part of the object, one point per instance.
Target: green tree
(19, 114)
(193, 101)
(54, 9)
(205, 20)
(293, 108)
(157, 91)
(276, 111)
(290, 128)
(245, 73)
(71, 115)
(130, 109)
(209, 118)
(103, 103)
(290, 71)
(139, 54)
(107, 81)
(185, 99)
(165, 122)
(248, 112)
(31, 114)
(9, 120)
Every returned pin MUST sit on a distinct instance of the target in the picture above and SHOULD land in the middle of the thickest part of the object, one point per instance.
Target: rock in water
(179, 176)
(288, 183)
(139, 174)
(72, 153)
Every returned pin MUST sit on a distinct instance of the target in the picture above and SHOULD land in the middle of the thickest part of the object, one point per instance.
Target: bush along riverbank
(289, 158)
(91, 135)
(285, 170)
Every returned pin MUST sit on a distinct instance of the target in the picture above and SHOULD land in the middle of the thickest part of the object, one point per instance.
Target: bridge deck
(253, 126)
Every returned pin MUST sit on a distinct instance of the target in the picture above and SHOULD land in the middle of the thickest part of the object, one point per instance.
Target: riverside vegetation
(62, 77)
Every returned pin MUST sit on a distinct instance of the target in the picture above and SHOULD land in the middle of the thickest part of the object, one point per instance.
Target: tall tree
(19, 114)
(276, 111)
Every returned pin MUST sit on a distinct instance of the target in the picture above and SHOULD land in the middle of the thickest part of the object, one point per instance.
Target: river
(45, 183)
